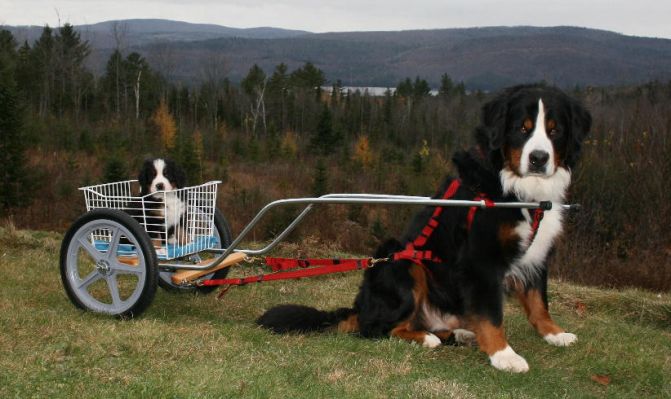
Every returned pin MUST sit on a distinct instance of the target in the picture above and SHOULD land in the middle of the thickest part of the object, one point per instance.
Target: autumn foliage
(307, 142)
(165, 127)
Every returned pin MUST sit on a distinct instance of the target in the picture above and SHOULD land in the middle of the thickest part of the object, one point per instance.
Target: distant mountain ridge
(484, 58)
(137, 32)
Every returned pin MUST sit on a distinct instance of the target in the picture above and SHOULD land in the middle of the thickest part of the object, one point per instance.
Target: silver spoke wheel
(108, 265)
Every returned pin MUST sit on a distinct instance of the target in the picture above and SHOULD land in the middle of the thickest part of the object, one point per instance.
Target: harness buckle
(374, 261)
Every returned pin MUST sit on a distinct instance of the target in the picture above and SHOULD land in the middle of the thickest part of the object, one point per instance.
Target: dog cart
(115, 255)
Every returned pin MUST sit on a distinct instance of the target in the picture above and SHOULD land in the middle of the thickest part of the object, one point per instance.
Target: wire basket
(179, 222)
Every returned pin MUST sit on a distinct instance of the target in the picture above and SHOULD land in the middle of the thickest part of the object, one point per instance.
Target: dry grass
(196, 346)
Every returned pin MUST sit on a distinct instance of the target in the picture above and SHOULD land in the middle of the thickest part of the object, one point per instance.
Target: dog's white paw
(561, 339)
(464, 337)
(431, 341)
(507, 360)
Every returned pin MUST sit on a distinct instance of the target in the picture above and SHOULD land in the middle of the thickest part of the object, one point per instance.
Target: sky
(639, 18)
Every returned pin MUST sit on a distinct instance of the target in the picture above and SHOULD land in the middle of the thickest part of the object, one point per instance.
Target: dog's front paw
(431, 341)
(561, 339)
(465, 337)
(507, 360)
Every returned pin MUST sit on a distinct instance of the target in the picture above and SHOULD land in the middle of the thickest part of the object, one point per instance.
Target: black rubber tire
(147, 292)
(224, 232)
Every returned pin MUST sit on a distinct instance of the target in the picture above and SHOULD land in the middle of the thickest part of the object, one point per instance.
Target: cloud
(643, 17)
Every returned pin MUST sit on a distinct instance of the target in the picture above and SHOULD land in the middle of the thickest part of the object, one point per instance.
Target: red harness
(416, 256)
(281, 266)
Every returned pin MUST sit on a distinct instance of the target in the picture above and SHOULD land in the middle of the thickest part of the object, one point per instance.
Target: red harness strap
(327, 266)
(280, 266)
(536, 223)
(283, 264)
(414, 256)
(410, 252)
(471, 211)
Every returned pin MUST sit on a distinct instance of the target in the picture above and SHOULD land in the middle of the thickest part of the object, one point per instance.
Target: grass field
(197, 346)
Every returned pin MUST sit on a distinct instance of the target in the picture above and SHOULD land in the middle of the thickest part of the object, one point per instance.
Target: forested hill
(483, 58)
(137, 32)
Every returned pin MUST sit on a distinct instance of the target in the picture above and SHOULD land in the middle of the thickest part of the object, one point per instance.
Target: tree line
(290, 132)
(131, 108)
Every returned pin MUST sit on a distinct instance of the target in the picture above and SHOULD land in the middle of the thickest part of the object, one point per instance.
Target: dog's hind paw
(507, 360)
(431, 341)
(561, 339)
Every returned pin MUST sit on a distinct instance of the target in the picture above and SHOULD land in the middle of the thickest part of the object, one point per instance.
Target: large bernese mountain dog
(527, 144)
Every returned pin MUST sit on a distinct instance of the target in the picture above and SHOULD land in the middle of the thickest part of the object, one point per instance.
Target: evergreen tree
(71, 78)
(446, 86)
(404, 88)
(112, 82)
(460, 89)
(26, 71)
(139, 82)
(186, 155)
(323, 140)
(43, 59)
(278, 92)
(254, 85)
(320, 179)
(309, 77)
(421, 88)
(12, 161)
(115, 169)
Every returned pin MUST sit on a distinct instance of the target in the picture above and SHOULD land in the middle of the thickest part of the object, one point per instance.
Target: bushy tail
(298, 318)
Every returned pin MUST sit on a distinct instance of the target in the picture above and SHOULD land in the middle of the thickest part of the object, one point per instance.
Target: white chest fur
(174, 209)
(534, 188)
(535, 252)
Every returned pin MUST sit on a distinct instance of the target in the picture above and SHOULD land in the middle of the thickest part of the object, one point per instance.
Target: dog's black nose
(539, 158)
(160, 186)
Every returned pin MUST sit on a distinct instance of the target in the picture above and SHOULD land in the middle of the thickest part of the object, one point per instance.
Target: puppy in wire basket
(164, 209)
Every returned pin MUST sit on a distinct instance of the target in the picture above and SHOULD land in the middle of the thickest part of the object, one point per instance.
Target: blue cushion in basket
(169, 252)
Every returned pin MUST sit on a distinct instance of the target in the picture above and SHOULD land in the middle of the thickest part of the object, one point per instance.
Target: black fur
(173, 172)
(152, 216)
(471, 280)
(287, 318)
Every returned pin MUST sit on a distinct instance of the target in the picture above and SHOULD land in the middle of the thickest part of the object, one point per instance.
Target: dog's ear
(490, 133)
(581, 123)
(145, 177)
(177, 173)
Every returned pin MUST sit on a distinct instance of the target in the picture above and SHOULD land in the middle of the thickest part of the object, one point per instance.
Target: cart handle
(352, 199)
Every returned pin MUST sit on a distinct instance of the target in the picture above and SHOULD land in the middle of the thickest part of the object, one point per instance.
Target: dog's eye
(552, 128)
(527, 126)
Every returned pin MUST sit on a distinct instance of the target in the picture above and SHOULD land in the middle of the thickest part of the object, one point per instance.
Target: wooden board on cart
(185, 276)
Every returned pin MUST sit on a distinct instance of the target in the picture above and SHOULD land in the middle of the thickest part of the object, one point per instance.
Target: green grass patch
(197, 346)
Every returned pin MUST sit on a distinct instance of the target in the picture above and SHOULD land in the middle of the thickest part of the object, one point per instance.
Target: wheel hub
(103, 267)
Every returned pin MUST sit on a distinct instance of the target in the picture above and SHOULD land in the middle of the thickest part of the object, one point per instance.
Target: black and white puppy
(164, 209)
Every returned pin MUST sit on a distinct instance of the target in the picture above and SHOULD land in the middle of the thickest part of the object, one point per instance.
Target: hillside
(137, 32)
(188, 346)
(484, 58)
